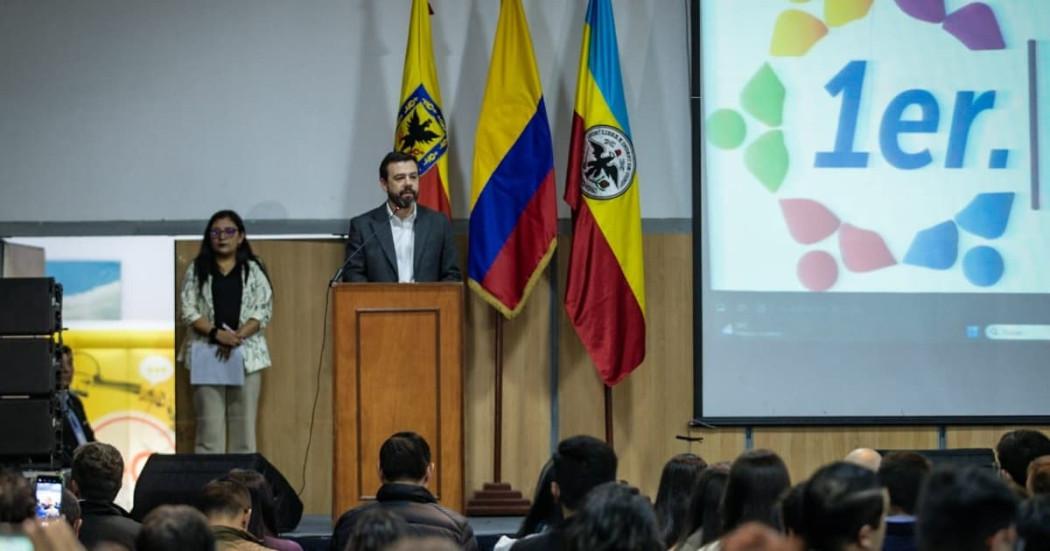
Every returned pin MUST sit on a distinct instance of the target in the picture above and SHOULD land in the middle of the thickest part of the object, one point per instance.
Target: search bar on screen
(1016, 332)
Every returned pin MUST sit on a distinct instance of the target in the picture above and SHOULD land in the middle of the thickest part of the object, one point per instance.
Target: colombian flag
(513, 216)
(421, 130)
(605, 294)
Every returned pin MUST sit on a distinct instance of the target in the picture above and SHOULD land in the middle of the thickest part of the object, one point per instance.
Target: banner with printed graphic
(873, 208)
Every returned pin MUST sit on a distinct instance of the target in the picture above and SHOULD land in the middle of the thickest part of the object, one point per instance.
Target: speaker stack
(30, 425)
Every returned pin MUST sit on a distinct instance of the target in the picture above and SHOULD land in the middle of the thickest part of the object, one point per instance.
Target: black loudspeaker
(173, 479)
(27, 366)
(962, 457)
(30, 306)
(27, 427)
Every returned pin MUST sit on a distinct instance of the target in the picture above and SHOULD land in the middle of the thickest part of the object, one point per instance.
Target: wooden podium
(397, 366)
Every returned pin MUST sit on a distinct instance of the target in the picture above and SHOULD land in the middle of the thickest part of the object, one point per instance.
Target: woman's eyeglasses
(219, 232)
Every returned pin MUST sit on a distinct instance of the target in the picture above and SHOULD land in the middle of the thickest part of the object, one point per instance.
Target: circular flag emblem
(608, 162)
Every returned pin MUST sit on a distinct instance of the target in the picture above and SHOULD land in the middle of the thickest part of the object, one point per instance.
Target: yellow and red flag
(513, 215)
(605, 294)
(421, 130)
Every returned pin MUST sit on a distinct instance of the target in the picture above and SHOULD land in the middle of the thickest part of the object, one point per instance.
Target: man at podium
(400, 241)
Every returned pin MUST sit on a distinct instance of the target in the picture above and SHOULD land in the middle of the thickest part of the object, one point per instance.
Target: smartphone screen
(48, 497)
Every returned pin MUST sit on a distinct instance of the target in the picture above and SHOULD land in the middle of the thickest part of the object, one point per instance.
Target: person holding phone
(226, 301)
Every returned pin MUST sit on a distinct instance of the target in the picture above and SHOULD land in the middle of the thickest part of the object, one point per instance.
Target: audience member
(416, 543)
(844, 509)
(405, 469)
(580, 464)
(903, 474)
(756, 481)
(263, 520)
(17, 499)
(865, 457)
(98, 473)
(677, 482)
(71, 510)
(965, 509)
(792, 510)
(1038, 480)
(175, 528)
(704, 524)
(1033, 524)
(375, 530)
(543, 513)
(53, 536)
(1015, 450)
(228, 506)
(613, 517)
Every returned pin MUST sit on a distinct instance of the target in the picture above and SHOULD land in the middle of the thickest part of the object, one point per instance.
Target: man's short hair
(581, 463)
(175, 528)
(1038, 480)
(17, 499)
(612, 517)
(903, 474)
(1016, 449)
(391, 158)
(404, 456)
(960, 508)
(98, 470)
(225, 497)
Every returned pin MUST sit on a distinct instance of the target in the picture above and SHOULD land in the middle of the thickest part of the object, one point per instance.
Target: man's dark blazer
(435, 255)
(69, 438)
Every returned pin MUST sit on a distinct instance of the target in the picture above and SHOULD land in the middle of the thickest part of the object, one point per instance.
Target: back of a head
(175, 528)
(415, 543)
(1038, 479)
(98, 471)
(544, 511)
(1033, 523)
(705, 503)
(263, 519)
(865, 457)
(1016, 449)
(902, 473)
(677, 482)
(581, 463)
(613, 517)
(756, 481)
(960, 508)
(70, 508)
(17, 500)
(404, 457)
(224, 498)
(792, 512)
(838, 502)
(375, 530)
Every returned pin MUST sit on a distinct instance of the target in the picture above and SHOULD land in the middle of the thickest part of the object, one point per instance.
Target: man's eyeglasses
(219, 232)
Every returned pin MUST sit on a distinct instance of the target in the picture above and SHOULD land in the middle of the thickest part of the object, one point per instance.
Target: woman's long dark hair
(756, 481)
(545, 512)
(202, 265)
(704, 504)
(677, 482)
(838, 500)
(263, 521)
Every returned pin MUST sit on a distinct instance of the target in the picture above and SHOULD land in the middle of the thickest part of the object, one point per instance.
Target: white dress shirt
(404, 243)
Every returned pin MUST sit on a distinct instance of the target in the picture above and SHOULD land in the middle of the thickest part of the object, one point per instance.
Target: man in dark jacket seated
(405, 469)
(98, 472)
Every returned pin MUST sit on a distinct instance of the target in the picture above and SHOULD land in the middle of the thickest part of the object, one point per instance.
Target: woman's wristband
(212, 334)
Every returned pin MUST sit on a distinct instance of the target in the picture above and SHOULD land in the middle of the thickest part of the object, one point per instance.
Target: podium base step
(497, 500)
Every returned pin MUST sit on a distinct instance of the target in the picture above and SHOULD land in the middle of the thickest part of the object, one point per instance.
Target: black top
(104, 521)
(419, 509)
(226, 296)
(69, 438)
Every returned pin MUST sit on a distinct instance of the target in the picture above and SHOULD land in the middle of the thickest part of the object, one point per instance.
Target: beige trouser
(227, 411)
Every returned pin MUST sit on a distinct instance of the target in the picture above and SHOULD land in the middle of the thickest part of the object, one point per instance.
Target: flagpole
(608, 415)
(497, 498)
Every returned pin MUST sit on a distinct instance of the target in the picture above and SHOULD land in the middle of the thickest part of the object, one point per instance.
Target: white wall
(138, 111)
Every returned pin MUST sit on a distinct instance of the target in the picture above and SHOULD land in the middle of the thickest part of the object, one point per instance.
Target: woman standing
(226, 301)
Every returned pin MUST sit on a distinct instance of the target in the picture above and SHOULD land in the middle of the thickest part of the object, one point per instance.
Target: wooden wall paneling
(655, 402)
(478, 389)
(299, 271)
(526, 391)
(580, 395)
(805, 449)
(982, 437)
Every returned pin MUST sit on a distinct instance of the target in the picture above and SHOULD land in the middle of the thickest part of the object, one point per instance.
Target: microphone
(349, 257)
